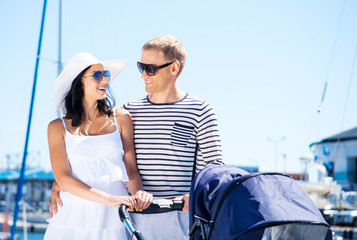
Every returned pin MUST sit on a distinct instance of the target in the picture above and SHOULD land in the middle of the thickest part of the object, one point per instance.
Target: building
(250, 169)
(36, 190)
(338, 154)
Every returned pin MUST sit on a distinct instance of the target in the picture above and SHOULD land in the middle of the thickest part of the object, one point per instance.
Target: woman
(92, 153)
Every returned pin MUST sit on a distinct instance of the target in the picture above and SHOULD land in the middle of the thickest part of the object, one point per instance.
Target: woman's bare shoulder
(56, 125)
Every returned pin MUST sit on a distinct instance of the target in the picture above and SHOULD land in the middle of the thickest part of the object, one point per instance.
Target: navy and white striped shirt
(168, 138)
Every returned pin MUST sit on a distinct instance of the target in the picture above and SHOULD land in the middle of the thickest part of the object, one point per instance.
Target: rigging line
(309, 133)
(322, 98)
(315, 124)
(329, 65)
(346, 102)
(50, 60)
(349, 88)
(328, 71)
(332, 54)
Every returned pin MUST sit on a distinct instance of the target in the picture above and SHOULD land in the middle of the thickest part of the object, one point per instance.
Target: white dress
(98, 162)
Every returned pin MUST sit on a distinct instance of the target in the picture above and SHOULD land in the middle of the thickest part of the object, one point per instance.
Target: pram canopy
(229, 203)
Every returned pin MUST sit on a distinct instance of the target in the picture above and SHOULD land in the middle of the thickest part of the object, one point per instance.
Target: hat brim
(64, 80)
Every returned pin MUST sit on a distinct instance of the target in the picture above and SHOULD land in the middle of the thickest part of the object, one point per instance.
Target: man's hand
(55, 199)
(185, 200)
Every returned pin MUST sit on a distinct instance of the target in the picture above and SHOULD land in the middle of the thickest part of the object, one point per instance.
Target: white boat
(320, 191)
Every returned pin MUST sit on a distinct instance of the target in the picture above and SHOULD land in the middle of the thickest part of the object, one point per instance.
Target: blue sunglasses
(98, 75)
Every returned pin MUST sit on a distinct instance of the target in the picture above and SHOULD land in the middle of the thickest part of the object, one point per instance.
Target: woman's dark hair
(74, 97)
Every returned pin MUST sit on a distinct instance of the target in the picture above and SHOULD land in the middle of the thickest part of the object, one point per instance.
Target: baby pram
(229, 203)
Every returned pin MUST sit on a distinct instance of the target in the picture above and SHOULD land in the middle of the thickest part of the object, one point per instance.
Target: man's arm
(208, 138)
(55, 199)
(185, 199)
(209, 143)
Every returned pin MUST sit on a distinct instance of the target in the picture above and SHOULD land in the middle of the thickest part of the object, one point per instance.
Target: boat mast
(22, 173)
(59, 60)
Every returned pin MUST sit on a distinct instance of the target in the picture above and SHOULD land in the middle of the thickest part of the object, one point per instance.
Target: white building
(339, 152)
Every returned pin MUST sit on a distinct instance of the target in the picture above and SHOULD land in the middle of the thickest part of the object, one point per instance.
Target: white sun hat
(74, 67)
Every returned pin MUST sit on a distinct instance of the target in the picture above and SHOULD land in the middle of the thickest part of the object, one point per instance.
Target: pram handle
(125, 219)
(160, 205)
(166, 205)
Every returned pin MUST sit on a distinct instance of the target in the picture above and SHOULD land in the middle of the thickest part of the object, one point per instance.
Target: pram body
(229, 203)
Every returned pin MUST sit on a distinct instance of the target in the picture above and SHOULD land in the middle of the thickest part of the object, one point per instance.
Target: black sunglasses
(98, 75)
(151, 69)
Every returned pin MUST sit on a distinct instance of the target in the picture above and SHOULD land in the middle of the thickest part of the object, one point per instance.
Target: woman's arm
(134, 184)
(62, 171)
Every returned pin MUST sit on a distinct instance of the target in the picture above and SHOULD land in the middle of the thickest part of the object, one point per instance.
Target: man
(175, 135)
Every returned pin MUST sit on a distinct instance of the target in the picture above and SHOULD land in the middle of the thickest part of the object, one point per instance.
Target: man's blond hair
(172, 49)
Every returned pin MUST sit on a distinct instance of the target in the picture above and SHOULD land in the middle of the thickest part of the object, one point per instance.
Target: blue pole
(21, 179)
(59, 61)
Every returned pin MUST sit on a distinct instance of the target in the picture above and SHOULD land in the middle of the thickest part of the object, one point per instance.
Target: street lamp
(284, 161)
(276, 142)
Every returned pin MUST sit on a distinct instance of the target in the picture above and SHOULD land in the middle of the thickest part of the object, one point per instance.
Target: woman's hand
(116, 201)
(143, 200)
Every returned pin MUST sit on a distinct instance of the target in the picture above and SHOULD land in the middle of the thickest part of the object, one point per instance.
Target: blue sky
(261, 64)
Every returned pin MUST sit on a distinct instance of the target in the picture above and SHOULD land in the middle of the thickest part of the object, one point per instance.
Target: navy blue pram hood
(230, 203)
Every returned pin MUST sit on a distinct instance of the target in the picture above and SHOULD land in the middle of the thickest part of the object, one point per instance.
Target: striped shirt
(168, 138)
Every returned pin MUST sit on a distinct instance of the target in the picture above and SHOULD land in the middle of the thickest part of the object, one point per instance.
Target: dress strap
(64, 124)
(115, 118)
